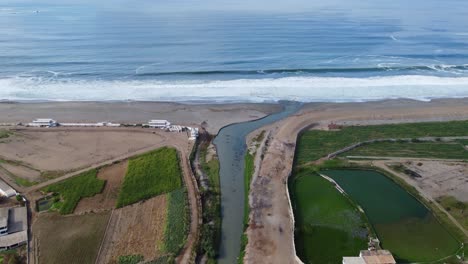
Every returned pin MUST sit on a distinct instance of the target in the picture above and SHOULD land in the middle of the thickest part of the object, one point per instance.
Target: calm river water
(231, 148)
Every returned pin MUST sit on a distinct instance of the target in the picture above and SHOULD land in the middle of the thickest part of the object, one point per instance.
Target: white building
(371, 257)
(99, 124)
(6, 190)
(176, 128)
(43, 122)
(159, 124)
(193, 133)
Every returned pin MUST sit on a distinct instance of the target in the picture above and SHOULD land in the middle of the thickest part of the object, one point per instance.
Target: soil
(113, 175)
(135, 229)
(22, 171)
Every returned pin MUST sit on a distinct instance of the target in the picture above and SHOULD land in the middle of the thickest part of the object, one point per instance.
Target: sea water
(233, 50)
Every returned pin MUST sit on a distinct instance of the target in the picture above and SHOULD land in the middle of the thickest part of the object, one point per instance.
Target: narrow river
(231, 148)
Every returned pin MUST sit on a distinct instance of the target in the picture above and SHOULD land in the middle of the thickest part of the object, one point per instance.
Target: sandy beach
(215, 116)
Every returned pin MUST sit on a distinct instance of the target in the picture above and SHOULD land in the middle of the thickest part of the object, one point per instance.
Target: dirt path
(188, 252)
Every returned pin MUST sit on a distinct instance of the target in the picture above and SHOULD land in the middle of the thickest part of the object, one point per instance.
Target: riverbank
(271, 228)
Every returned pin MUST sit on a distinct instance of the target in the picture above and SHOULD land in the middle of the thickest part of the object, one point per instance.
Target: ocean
(338, 51)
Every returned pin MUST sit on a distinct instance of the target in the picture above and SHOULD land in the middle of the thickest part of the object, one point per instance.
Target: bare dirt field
(22, 171)
(441, 178)
(271, 225)
(113, 175)
(135, 229)
(68, 239)
(63, 150)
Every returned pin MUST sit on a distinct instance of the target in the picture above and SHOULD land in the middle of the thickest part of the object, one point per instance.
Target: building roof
(377, 257)
(7, 189)
(13, 239)
(46, 120)
(4, 217)
(18, 220)
(353, 260)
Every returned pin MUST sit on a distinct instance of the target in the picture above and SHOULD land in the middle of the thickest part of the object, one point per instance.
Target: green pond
(403, 225)
(328, 225)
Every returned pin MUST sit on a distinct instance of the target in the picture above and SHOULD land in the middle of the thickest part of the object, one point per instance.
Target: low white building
(43, 122)
(99, 124)
(176, 128)
(159, 124)
(193, 133)
(6, 190)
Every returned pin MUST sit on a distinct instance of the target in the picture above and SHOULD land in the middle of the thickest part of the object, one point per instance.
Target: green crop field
(177, 223)
(315, 144)
(441, 150)
(73, 189)
(150, 174)
(328, 225)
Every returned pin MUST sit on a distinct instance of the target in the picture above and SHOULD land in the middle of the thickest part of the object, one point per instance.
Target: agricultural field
(421, 149)
(73, 189)
(328, 225)
(177, 222)
(315, 144)
(136, 229)
(113, 175)
(149, 175)
(73, 239)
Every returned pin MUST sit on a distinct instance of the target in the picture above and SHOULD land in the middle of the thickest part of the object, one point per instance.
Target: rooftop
(377, 257)
(3, 217)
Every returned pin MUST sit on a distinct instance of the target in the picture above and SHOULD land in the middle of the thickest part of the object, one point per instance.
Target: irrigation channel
(231, 148)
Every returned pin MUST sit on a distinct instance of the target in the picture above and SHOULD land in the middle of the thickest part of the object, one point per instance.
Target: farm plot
(150, 174)
(69, 239)
(73, 189)
(136, 229)
(106, 200)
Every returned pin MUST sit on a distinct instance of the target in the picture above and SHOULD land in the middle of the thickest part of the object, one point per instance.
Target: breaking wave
(303, 88)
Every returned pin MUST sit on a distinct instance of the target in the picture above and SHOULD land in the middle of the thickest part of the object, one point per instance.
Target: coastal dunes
(271, 225)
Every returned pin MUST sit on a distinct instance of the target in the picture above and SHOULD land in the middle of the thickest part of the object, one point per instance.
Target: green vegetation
(73, 189)
(249, 168)
(422, 149)
(4, 133)
(458, 209)
(162, 260)
(130, 259)
(315, 144)
(149, 175)
(210, 234)
(23, 182)
(46, 203)
(177, 223)
(404, 225)
(328, 225)
(12, 256)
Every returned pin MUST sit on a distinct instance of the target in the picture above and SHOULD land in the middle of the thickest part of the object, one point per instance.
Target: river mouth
(231, 149)
(403, 224)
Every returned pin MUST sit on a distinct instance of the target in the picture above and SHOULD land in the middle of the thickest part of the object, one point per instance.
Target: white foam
(304, 89)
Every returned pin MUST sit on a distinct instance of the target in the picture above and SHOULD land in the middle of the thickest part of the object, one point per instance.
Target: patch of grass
(177, 223)
(24, 182)
(328, 225)
(440, 150)
(5, 133)
(73, 189)
(130, 259)
(249, 168)
(458, 209)
(162, 260)
(315, 144)
(149, 175)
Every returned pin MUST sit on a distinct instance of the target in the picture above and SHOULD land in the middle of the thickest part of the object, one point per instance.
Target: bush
(130, 259)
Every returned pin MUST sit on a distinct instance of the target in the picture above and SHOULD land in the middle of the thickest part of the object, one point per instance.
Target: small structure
(162, 124)
(176, 128)
(371, 257)
(15, 232)
(334, 126)
(43, 122)
(6, 190)
(193, 133)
